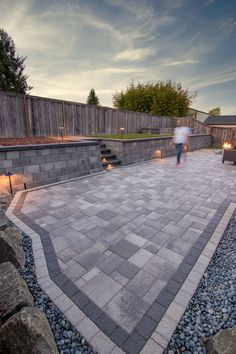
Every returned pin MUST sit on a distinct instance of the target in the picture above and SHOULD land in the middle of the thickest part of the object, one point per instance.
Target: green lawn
(129, 136)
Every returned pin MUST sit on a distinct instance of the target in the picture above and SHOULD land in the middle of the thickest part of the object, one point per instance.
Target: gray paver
(191, 235)
(140, 258)
(136, 239)
(141, 283)
(173, 229)
(101, 289)
(154, 291)
(145, 231)
(89, 258)
(179, 246)
(161, 238)
(111, 263)
(128, 269)
(124, 249)
(160, 267)
(151, 247)
(126, 309)
(75, 271)
(67, 254)
(120, 278)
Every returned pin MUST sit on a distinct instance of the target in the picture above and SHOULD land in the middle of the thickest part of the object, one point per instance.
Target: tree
(12, 77)
(215, 111)
(92, 97)
(163, 98)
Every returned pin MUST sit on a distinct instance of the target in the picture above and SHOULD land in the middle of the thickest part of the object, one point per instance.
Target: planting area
(128, 136)
(29, 141)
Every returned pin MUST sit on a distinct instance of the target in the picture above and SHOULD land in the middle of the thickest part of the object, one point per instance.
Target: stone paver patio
(121, 253)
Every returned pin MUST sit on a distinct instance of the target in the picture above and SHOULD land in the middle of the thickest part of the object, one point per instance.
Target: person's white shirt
(181, 135)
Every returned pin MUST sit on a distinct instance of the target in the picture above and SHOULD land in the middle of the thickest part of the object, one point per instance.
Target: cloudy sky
(75, 45)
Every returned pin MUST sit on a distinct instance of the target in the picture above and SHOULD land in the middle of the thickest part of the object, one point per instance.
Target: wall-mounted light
(9, 174)
(158, 153)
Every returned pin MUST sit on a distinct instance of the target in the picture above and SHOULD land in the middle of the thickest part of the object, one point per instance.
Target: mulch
(29, 141)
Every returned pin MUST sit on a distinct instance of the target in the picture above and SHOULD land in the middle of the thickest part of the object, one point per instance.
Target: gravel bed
(213, 306)
(67, 338)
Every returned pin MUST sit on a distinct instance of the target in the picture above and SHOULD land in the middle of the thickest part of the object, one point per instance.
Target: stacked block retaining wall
(131, 151)
(35, 165)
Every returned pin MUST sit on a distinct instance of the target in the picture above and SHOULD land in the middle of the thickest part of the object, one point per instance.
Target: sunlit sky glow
(75, 45)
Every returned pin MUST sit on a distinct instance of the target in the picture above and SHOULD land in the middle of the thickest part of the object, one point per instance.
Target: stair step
(105, 151)
(108, 156)
(112, 163)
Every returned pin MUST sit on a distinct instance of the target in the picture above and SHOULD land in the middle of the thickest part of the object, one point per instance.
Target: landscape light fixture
(61, 128)
(9, 174)
(121, 132)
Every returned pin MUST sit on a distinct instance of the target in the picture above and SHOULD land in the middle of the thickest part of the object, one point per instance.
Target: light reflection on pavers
(131, 229)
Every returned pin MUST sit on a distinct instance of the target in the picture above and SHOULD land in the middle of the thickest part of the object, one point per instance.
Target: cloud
(138, 54)
(227, 25)
(214, 79)
(180, 62)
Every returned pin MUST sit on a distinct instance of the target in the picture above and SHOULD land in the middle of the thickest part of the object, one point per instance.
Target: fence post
(64, 118)
(26, 117)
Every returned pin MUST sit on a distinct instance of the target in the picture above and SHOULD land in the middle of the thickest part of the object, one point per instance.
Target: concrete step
(111, 163)
(105, 151)
(108, 157)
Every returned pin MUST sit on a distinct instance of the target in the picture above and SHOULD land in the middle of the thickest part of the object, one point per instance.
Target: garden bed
(29, 141)
(128, 136)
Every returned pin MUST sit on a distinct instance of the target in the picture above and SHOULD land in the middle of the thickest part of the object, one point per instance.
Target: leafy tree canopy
(12, 77)
(92, 97)
(162, 98)
(215, 111)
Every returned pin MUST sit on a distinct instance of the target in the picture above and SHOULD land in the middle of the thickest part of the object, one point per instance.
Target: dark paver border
(129, 342)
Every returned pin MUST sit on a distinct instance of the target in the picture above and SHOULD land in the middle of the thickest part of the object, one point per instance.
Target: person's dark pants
(178, 151)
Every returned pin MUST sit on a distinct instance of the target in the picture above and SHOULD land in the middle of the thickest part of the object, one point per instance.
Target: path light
(61, 128)
(121, 132)
(9, 174)
(227, 146)
(109, 167)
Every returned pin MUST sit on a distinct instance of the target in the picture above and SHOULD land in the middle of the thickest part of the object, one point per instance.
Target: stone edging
(159, 323)
(4, 148)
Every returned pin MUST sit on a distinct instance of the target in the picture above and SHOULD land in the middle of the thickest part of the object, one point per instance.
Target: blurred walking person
(181, 137)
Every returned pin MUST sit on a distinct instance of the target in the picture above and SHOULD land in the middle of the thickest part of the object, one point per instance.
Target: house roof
(221, 120)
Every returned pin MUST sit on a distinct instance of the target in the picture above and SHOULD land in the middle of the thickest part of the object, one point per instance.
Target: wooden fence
(26, 115)
(221, 135)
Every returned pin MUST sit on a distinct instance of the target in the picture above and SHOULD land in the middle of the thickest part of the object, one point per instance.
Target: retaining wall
(37, 165)
(131, 151)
